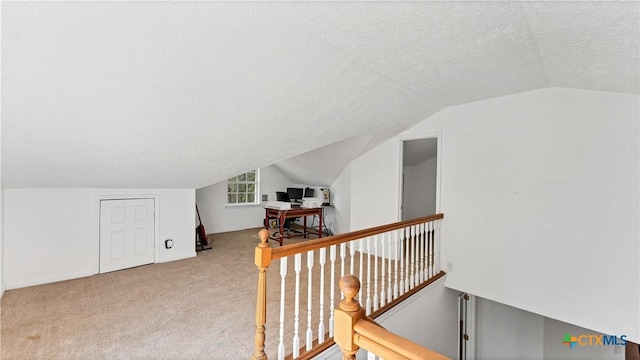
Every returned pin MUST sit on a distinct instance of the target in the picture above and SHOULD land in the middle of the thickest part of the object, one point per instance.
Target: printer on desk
(311, 202)
(278, 205)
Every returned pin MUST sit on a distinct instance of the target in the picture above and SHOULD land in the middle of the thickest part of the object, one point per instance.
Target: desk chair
(283, 196)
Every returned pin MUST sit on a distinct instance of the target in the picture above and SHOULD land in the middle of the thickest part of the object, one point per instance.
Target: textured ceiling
(186, 94)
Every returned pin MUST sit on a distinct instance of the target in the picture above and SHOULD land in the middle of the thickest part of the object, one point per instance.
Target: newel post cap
(349, 285)
(263, 250)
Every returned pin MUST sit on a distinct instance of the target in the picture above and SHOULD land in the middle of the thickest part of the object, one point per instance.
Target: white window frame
(256, 197)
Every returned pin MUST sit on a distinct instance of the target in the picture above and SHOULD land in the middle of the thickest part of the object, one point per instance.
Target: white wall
(540, 196)
(2, 286)
(431, 319)
(428, 318)
(2, 283)
(341, 201)
(504, 332)
(218, 217)
(52, 234)
(419, 196)
(375, 186)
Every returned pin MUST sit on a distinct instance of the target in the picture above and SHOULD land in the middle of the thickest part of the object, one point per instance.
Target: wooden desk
(294, 212)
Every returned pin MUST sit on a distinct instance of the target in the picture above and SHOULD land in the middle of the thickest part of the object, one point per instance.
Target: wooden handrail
(371, 336)
(353, 329)
(264, 255)
(315, 244)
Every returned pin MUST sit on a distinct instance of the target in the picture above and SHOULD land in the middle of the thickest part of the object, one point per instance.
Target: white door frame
(470, 348)
(437, 134)
(156, 227)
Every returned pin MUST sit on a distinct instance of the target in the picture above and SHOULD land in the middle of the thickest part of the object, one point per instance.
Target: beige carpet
(198, 308)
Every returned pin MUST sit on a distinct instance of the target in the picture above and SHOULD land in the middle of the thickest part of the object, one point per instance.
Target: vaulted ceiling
(186, 94)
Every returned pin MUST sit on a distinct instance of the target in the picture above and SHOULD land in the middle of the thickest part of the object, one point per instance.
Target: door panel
(140, 241)
(116, 240)
(127, 233)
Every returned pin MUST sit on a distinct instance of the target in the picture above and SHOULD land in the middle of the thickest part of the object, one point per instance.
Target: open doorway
(420, 177)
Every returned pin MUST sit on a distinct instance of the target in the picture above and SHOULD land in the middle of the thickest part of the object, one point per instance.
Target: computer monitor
(309, 192)
(295, 194)
(282, 196)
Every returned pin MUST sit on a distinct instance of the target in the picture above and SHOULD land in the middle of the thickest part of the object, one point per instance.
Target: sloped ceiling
(186, 94)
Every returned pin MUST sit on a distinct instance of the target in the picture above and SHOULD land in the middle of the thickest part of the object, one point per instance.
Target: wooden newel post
(346, 315)
(262, 260)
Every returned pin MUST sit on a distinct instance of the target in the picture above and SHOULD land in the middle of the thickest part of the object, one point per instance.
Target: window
(243, 189)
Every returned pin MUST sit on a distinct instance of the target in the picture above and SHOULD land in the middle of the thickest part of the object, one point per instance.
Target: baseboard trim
(70, 276)
(179, 256)
(47, 279)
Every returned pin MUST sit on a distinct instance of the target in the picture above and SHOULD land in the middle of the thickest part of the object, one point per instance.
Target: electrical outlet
(449, 266)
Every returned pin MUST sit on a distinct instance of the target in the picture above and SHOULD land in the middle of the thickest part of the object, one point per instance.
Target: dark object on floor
(201, 235)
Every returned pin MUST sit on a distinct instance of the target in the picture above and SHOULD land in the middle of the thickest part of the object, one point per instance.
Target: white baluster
(426, 251)
(323, 255)
(402, 261)
(283, 275)
(343, 255)
(361, 244)
(407, 259)
(368, 300)
(309, 300)
(436, 251)
(430, 247)
(296, 318)
(375, 273)
(416, 239)
(435, 254)
(389, 278)
(383, 290)
(410, 258)
(332, 258)
(394, 236)
(352, 253)
(422, 251)
(415, 257)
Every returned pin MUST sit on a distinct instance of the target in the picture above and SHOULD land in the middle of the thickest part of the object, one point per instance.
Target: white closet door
(126, 233)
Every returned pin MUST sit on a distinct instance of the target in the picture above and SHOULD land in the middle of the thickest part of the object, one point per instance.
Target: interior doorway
(127, 233)
(466, 326)
(419, 177)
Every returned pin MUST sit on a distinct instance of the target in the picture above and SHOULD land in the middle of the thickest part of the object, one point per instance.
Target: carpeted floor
(198, 308)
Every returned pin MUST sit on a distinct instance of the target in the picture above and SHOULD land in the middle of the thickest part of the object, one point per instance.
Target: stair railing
(355, 330)
(393, 260)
